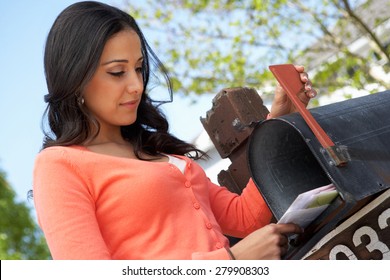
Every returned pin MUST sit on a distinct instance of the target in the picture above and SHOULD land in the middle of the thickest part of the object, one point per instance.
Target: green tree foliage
(208, 45)
(20, 238)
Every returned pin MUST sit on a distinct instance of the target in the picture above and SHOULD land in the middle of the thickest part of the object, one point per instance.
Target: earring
(81, 101)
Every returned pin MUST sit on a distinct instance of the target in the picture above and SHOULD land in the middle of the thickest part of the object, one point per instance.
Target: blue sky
(24, 25)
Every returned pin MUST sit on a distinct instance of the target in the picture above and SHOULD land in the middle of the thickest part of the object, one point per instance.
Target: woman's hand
(282, 104)
(267, 243)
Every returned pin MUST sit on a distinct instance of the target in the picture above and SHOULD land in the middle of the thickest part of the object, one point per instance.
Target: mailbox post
(229, 123)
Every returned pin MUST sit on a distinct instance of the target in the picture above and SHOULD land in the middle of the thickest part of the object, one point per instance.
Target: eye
(117, 74)
(139, 69)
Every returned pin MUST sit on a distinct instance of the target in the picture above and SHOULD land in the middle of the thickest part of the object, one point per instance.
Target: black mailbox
(286, 159)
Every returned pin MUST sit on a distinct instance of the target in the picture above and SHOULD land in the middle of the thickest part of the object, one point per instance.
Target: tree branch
(366, 29)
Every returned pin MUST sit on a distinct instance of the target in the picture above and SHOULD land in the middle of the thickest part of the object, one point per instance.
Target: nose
(135, 84)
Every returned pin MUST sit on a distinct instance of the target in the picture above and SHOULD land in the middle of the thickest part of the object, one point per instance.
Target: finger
(309, 84)
(309, 90)
(283, 244)
(304, 77)
(289, 228)
(283, 241)
(283, 250)
(299, 68)
(304, 97)
(311, 93)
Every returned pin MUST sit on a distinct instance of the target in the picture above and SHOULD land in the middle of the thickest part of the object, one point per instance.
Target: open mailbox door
(285, 159)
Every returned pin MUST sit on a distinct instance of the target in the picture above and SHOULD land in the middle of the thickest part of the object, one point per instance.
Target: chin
(127, 123)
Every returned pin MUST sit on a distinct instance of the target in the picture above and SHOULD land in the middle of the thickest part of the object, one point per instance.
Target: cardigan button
(209, 226)
(196, 205)
(218, 245)
(187, 184)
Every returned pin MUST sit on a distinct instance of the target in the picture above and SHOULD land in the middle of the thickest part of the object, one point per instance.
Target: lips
(130, 103)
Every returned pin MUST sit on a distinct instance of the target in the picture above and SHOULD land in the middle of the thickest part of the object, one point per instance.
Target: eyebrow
(120, 60)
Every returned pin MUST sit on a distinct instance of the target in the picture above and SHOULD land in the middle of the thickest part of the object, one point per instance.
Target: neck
(106, 136)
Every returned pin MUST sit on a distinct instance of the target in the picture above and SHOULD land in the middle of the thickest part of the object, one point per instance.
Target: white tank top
(178, 162)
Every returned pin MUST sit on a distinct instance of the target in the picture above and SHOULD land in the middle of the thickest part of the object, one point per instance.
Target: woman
(111, 182)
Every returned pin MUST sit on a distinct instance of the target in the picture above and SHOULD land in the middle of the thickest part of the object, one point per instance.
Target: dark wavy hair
(73, 49)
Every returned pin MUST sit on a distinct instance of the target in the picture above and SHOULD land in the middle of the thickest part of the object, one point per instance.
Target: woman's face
(114, 92)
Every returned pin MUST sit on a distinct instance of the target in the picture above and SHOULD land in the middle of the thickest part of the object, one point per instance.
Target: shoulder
(60, 163)
(59, 152)
(60, 155)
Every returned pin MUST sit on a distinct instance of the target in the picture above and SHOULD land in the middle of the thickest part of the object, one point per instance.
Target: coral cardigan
(95, 206)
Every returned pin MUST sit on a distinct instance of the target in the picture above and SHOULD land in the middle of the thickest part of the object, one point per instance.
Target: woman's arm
(239, 215)
(65, 209)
